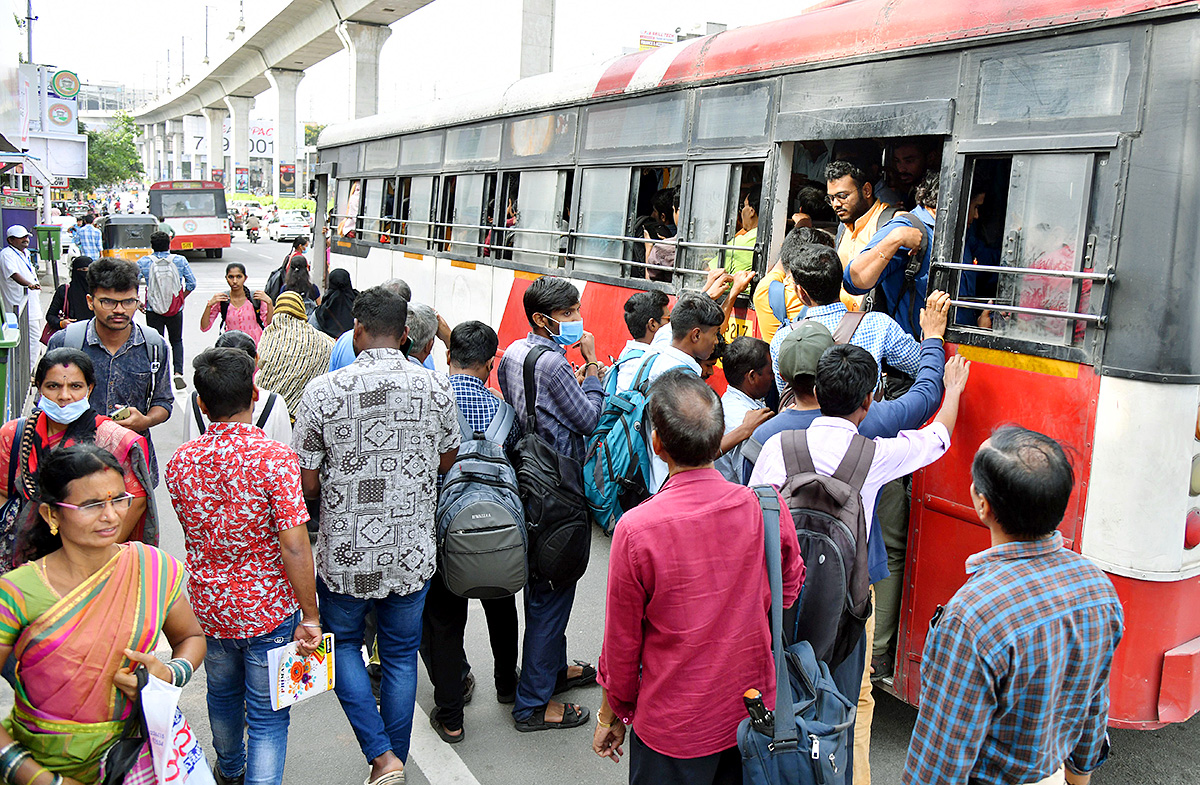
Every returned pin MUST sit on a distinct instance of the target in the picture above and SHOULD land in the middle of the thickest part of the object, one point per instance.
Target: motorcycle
(252, 234)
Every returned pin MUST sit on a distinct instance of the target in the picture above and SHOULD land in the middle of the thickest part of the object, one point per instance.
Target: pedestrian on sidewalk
(18, 282)
(250, 567)
(372, 438)
(165, 295)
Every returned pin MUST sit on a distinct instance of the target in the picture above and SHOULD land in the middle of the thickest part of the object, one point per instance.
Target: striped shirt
(90, 241)
(291, 353)
(1014, 681)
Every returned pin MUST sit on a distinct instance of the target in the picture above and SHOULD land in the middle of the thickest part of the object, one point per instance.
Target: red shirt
(235, 490)
(686, 627)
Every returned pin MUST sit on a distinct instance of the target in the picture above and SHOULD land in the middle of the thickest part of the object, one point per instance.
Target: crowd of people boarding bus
(310, 495)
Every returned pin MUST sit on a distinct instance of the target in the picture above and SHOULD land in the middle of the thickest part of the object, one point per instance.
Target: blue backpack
(616, 470)
(777, 300)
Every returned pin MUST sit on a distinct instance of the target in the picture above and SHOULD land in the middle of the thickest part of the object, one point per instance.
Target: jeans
(172, 326)
(442, 647)
(239, 695)
(544, 653)
(649, 767)
(388, 726)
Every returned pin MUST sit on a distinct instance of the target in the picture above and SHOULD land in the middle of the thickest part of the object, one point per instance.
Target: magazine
(295, 677)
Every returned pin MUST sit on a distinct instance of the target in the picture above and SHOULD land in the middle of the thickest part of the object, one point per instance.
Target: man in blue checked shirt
(817, 271)
(89, 239)
(1015, 676)
(471, 358)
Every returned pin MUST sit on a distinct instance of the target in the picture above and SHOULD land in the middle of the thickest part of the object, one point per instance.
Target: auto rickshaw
(127, 236)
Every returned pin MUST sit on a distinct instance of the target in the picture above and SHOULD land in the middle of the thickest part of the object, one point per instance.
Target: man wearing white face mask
(568, 404)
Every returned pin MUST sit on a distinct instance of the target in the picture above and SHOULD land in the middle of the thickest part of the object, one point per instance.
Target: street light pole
(29, 20)
(206, 33)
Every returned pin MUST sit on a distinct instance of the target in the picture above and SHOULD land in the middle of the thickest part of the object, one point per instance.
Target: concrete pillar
(363, 41)
(239, 132)
(152, 153)
(175, 129)
(215, 136)
(144, 148)
(285, 83)
(537, 37)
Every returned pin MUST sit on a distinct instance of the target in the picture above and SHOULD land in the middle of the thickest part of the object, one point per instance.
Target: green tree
(112, 154)
(311, 132)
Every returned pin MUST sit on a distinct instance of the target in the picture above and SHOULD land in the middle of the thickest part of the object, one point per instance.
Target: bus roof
(186, 185)
(830, 31)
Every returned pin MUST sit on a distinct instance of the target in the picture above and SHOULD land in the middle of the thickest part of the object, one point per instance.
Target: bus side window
(603, 201)
(464, 198)
(652, 217)
(539, 222)
(369, 224)
(416, 209)
(718, 221)
(1044, 200)
(387, 209)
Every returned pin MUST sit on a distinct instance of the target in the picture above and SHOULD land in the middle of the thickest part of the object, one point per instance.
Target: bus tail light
(1191, 530)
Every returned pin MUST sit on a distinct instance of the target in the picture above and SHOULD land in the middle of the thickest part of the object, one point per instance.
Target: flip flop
(573, 716)
(582, 680)
(390, 778)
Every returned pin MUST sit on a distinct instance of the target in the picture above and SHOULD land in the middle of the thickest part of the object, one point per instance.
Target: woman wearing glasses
(63, 417)
(79, 616)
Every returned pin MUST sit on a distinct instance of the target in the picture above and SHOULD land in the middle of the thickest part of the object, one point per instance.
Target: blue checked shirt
(567, 412)
(1014, 681)
(478, 405)
(878, 333)
(90, 241)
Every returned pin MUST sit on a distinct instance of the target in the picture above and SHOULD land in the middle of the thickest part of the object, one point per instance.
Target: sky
(447, 48)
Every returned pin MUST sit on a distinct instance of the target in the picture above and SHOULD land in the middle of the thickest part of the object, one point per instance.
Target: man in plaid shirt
(89, 239)
(1014, 683)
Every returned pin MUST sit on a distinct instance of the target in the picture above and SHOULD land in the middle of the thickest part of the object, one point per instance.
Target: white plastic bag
(178, 759)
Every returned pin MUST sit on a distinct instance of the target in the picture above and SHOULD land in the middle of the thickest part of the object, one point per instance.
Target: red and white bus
(195, 212)
(1077, 119)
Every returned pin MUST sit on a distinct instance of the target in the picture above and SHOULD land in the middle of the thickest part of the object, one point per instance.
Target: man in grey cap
(18, 278)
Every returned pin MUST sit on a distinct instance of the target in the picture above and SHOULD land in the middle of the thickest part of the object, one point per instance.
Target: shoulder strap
(848, 326)
(751, 449)
(856, 463)
(531, 385)
(75, 334)
(796, 457)
(199, 415)
(777, 299)
(785, 728)
(501, 424)
(610, 381)
(14, 456)
(266, 412)
(644, 371)
(919, 252)
(464, 427)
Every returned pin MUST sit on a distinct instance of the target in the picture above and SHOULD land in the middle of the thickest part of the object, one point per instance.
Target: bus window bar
(989, 268)
(977, 305)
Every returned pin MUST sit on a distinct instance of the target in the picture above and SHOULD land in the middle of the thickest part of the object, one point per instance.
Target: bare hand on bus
(957, 371)
(740, 281)
(718, 284)
(935, 315)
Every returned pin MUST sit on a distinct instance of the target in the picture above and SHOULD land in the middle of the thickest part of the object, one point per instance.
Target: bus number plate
(186, 246)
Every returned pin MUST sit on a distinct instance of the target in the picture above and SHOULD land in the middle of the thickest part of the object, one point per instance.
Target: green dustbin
(49, 242)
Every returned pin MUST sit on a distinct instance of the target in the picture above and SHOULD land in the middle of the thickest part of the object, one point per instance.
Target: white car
(288, 226)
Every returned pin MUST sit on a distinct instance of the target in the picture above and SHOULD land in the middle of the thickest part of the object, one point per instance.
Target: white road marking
(438, 760)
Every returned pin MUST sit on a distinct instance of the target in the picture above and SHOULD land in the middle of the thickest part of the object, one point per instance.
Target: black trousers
(445, 624)
(171, 328)
(647, 767)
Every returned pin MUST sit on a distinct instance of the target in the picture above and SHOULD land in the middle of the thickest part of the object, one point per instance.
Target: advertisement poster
(241, 179)
(218, 176)
(287, 179)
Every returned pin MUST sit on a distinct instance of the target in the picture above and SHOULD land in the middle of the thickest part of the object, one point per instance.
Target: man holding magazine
(250, 567)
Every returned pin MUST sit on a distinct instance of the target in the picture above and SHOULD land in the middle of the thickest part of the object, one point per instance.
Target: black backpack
(257, 313)
(551, 488)
(260, 423)
(831, 525)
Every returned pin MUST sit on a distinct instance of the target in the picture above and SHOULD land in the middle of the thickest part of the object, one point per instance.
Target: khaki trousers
(866, 709)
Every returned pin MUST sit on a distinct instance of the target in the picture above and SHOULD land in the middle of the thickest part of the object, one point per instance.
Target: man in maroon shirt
(686, 627)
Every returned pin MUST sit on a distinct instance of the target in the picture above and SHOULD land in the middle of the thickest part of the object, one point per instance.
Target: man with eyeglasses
(133, 382)
(852, 196)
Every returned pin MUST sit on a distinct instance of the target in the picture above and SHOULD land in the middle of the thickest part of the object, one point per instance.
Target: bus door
(1023, 252)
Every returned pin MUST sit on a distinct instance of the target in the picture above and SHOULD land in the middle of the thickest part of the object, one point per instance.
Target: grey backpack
(482, 544)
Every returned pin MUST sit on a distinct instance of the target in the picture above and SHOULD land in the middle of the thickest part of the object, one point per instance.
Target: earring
(53, 529)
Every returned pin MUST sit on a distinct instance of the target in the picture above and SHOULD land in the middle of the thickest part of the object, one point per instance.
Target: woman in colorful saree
(64, 379)
(80, 616)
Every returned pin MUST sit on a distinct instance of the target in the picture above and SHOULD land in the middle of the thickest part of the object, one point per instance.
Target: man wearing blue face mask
(568, 404)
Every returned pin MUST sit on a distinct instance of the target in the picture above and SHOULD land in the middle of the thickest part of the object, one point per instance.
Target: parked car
(288, 226)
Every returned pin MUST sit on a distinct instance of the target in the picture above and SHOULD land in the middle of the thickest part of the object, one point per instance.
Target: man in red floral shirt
(251, 575)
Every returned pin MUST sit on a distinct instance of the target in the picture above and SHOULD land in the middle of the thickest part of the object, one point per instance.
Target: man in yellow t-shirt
(777, 290)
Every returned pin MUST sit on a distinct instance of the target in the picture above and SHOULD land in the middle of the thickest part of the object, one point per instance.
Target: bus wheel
(208, 254)
(217, 252)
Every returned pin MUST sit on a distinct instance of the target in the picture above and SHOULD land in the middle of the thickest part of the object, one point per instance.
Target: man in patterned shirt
(372, 439)
(89, 239)
(1014, 683)
(471, 358)
(817, 271)
(250, 568)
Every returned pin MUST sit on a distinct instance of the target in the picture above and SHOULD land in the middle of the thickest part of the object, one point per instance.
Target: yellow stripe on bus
(416, 256)
(462, 264)
(526, 276)
(1021, 362)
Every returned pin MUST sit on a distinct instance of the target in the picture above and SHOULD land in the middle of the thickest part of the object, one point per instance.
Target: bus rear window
(188, 204)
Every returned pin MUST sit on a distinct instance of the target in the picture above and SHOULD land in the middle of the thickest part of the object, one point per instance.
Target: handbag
(51, 326)
(121, 757)
(178, 757)
(812, 736)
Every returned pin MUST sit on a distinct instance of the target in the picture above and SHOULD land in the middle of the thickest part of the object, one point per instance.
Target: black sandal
(588, 676)
(573, 717)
